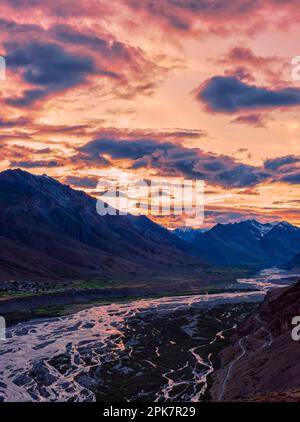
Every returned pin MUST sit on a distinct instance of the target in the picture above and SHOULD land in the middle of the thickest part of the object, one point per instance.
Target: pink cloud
(219, 17)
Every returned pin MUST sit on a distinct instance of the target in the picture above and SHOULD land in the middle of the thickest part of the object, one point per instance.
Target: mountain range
(48, 230)
(247, 243)
(187, 233)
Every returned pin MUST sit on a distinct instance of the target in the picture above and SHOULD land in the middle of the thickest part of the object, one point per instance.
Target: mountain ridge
(60, 225)
(248, 243)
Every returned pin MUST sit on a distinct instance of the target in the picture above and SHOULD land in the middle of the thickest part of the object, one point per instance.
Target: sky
(160, 90)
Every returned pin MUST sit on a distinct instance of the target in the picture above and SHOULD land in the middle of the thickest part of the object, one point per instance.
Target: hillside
(48, 230)
(264, 362)
(247, 243)
(293, 264)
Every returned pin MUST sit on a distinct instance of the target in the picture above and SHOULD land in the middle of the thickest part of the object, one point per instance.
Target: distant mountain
(187, 233)
(248, 243)
(48, 230)
(264, 360)
(293, 264)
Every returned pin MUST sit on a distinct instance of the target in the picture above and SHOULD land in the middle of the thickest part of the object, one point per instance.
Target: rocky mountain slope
(187, 233)
(263, 364)
(247, 243)
(48, 230)
(293, 264)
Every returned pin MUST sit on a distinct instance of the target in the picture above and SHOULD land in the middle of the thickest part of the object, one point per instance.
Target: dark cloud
(245, 60)
(62, 9)
(216, 17)
(226, 94)
(242, 175)
(182, 14)
(245, 56)
(82, 182)
(47, 67)
(172, 159)
(241, 73)
(122, 61)
(110, 48)
(293, 179)
(43, 151)
(35, 164)
(117, 149)
(279, 162)
(284, 169)
(256, 120)
(63, 56)
(19, 122)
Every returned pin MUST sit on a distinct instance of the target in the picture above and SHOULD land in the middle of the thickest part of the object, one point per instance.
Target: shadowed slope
(48, 229)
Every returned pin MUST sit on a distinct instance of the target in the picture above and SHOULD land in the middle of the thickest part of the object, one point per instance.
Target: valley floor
(151, 349)
(156, 350)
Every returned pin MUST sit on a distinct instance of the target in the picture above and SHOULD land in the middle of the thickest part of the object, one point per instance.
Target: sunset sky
(195, 89)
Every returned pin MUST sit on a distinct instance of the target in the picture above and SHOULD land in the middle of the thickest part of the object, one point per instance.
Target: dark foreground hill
(50, 231)
(264, 362)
